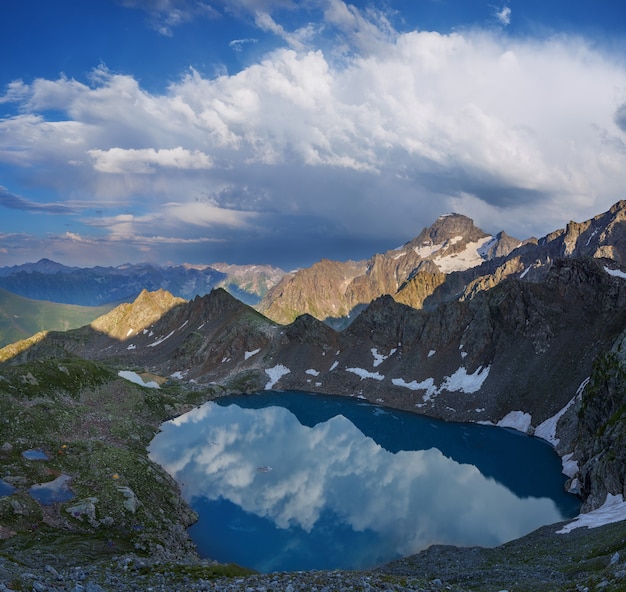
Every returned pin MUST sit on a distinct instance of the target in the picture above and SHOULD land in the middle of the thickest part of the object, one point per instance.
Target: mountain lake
(287, 481)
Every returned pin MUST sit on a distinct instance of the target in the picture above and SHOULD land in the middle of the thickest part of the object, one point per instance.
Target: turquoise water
(295, 481)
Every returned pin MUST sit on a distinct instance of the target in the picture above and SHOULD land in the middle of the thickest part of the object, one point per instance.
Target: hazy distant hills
(22, 317)
(51, 281)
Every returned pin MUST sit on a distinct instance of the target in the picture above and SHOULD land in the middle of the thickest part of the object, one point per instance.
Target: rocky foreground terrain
(533, 338)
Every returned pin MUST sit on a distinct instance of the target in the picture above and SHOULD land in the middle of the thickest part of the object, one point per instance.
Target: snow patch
(178, 375)
(467, 383)
(130, 332)
(380, 358)
(524, 273)
(427, 249)
(132, 346)
(547, 429)
(459, 381)
(570, 465)
(159, 341)
(427, 385)
(335, 364)
(615, 272)
(518, 420)
(275, 373)
(249, 354)
(431, 353)
(613, 510)
(471, 256)
(365, 374)
(312, 372)
(135, 378)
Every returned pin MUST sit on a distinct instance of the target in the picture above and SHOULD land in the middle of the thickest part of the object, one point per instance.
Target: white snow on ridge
(275, 373)
(518, 420)
(427, 250)
(335, 364)
(365, 374)
(470, 257)
(613, 510)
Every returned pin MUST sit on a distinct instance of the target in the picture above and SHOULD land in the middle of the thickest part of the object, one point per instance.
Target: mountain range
(51, 281)
(451, 259)
(455, 324)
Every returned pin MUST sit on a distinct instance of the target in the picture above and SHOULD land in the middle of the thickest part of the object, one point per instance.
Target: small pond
(6, 488)
(35, 454)
(51, 492)
(295, 481)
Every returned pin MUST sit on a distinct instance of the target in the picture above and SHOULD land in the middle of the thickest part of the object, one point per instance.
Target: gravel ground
(131, 574)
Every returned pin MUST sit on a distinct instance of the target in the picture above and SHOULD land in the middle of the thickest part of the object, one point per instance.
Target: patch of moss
(200, 571)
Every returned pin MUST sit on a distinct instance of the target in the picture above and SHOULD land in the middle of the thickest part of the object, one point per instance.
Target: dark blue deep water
(295, 481)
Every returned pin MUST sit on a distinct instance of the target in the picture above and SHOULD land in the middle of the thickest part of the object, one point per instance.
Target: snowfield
(613, 510)
(518, 420)
(471, 256)
(275, 373)
(365, 374)
(460, 381)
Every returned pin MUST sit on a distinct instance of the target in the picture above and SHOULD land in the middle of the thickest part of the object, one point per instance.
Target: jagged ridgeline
(450, 259)
(455, 324)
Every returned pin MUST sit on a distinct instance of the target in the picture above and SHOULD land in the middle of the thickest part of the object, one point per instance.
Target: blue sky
(281, 132)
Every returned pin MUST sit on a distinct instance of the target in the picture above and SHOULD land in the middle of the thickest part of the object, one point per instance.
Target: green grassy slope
(22, 317)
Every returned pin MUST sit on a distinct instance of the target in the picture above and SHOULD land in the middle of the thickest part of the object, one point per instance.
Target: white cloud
(503, 15)
(372, 145)
(119, 160)
(165, 15)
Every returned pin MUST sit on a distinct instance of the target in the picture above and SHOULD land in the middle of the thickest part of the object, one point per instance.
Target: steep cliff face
(319, 290)
(601, 436)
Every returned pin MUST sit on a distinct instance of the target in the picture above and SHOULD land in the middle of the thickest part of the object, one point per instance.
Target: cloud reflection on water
(412, 499)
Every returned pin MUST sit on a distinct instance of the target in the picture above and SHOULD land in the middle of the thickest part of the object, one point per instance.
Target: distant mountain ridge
(54, 282)
(451, 259)
(330, 290)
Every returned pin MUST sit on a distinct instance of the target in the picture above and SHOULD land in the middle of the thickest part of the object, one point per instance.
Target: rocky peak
(446, 228)
(129, 318)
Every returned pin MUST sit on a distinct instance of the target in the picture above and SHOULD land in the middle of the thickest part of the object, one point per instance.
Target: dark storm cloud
(620, 117)
(15, 202)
